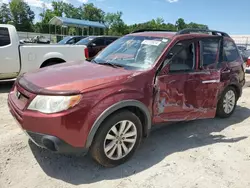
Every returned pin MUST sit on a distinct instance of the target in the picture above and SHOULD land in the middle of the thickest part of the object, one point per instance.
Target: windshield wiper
(110, 64)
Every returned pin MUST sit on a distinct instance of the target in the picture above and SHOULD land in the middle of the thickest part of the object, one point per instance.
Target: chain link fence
(242, 40)
(27, 35)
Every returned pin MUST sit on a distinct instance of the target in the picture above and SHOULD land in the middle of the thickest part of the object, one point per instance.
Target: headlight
(52, 104)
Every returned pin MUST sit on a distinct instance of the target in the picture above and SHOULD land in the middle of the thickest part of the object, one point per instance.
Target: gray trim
(114, 108)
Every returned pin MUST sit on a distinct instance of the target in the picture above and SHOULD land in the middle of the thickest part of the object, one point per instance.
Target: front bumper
(53, 143)
(64, 130)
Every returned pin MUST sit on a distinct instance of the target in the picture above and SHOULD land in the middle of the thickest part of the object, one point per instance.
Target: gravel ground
(203, 153)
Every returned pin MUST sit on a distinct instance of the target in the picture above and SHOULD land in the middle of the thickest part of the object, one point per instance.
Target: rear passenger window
(230, 51)
(109, 41)
(99, 42)
(4, 36)
(209, 51)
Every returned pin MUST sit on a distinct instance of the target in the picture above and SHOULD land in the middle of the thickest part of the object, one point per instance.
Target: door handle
(227, 71)
(210, 81)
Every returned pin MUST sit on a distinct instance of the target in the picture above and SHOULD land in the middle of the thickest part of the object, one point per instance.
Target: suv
(107, 106)
(95, 44)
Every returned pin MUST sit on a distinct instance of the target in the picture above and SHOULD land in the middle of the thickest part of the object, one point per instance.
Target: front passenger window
(182, 57)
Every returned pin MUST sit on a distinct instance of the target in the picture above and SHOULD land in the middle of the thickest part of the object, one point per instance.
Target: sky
(226, 15)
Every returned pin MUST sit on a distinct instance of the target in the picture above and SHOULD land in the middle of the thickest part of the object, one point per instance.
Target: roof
(155, 34)
(189, 31)
(170, 35)
(75, 22)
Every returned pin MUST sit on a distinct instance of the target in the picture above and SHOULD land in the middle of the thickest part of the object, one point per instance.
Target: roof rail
(213, 32)
(146, 30)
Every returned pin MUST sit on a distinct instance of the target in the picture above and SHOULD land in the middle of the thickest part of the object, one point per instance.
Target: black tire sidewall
(97, 149)
(220, 110)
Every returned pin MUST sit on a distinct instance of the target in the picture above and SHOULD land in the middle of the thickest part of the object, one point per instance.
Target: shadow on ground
(162, 142)
(5, 87)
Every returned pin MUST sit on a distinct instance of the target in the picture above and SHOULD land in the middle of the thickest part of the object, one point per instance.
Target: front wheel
(117, 139)
(227, 103)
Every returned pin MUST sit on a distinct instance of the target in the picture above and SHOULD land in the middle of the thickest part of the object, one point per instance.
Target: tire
(99, 149)
(221, 111)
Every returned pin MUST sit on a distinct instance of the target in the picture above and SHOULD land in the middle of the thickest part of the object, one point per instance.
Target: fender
(114, 108)
(52, 55)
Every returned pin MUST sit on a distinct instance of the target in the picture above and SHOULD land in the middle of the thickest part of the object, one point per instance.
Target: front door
(188, 89)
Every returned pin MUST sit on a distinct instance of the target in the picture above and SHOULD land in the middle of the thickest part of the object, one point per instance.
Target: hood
(69, 78)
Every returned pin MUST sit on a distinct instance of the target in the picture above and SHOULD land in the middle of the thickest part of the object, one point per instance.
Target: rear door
(9, 55)
(204, 85)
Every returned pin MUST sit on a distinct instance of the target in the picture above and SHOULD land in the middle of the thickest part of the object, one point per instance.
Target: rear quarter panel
(33, 56)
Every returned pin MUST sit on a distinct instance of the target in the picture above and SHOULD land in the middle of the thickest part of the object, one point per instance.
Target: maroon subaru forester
(107, 106)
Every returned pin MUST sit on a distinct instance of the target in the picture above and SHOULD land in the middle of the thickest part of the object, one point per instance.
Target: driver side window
(181, 57)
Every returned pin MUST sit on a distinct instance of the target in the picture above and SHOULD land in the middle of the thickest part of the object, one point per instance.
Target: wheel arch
(56, 60)
(237, 89)
(134, 106)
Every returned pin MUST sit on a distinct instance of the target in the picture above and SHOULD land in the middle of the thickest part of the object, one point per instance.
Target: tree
(180, 24)
(115, 24)
(197, 26)
(23, 16)
(92, 13)
(5, 14)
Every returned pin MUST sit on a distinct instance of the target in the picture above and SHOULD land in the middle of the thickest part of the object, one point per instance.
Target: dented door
(188, 95)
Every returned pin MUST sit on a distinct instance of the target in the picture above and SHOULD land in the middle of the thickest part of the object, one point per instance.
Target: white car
(16, 58)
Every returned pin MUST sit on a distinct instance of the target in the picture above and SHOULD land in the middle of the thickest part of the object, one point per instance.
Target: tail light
(248, 62)
(86, 53)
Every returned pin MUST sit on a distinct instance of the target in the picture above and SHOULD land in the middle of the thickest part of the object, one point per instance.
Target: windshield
(64, 40)
(85, 41)
(133, 52)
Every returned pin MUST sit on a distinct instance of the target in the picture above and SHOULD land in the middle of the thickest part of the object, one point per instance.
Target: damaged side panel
(186, 96)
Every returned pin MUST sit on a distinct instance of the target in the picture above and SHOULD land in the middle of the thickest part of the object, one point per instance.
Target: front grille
(20, 96)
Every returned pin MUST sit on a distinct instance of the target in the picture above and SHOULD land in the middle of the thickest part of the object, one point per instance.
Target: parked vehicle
(95, 44)
(108, 105)
(247, 68)
(71, 39)
(245, 54)
(16, 58)
(241, 48)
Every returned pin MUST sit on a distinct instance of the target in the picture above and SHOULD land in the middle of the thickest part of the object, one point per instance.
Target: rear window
(85, 41)
(230, 51)
(4, 36)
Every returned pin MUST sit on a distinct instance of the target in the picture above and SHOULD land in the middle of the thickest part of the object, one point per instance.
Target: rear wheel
(117, 139)
(227, 103)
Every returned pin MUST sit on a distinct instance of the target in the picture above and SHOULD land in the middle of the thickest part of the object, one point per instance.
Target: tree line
(19, 14)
